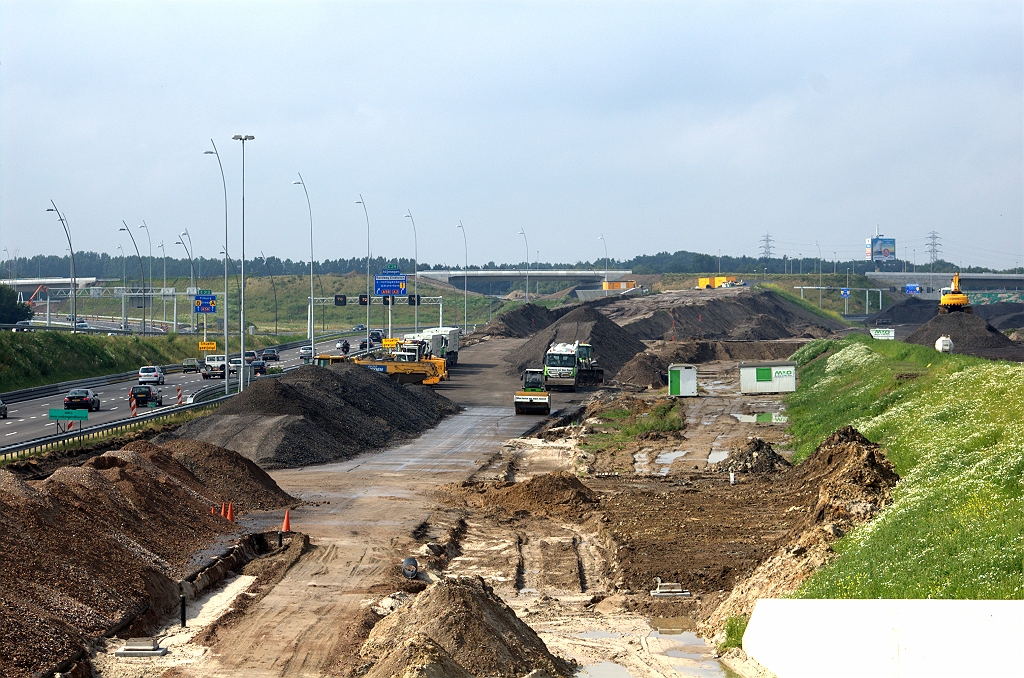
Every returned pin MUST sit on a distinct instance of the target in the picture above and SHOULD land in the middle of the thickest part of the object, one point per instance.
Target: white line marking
(11, 433)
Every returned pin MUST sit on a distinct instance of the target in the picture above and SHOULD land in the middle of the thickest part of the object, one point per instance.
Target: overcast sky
(664, 126)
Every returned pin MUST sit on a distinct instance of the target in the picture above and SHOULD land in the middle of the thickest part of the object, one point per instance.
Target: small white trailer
(775, 376)
(682, 380)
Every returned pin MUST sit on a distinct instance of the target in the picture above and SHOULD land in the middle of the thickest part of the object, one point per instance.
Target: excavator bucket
(590, 376)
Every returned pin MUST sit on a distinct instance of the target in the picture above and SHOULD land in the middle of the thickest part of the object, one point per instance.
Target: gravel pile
(967, 331)
(475, 628)
(757, 456)
(316, 415)
(613, 346)
(99, 547)
(519, 322)
(910, 311)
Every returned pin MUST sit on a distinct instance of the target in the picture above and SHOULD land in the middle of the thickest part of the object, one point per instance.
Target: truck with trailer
(571, 365)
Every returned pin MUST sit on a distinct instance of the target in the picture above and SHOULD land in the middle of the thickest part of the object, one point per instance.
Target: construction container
(715, 282)
(776, 376)
(682, 380)
(618, 284)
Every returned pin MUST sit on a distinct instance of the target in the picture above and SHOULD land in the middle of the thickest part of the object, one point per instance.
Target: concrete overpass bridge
(457, 277)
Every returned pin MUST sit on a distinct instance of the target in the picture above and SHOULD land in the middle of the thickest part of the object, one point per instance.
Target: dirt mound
(519, 322)
(757, 456)
(417, 657)
(474, 627)
(1003, 315)
(910, 311)
(552, 494)
(724, 314)
(650, 367)
(229, 475)
(92, 549)
(967, 331)
(318, 414)
(613, 346)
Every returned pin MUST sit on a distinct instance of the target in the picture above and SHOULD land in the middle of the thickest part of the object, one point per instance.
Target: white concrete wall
(883, 638)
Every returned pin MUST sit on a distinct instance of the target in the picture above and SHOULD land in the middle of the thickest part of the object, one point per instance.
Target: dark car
(377, 335)
(144, 395)
(259, 366)
(82, 399)
(270, 354)
(3, 410)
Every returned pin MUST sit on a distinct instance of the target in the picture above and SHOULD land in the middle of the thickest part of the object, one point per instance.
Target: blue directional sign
(205, 303)
(913, 288)
(845, 292)
(390, 285)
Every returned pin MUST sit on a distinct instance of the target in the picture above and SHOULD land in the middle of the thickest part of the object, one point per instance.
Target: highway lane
(30, 419)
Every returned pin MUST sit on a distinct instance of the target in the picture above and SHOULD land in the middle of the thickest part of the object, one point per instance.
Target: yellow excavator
(406, 364)
(953, 300)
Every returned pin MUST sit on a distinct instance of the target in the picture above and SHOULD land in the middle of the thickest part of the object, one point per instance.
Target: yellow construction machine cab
(953, 300)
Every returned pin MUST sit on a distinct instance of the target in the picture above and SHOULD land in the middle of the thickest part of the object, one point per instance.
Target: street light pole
(124, 287)
(150, 280)
(185, 234)
(274, 285)
(522, 232)
(312, 296)
(224, 184)
(162, 297)
(465, 281)
(601, 238)
(142, 272)
(74, 278)
(241, 371)
(367, 215)
(416, 271)
(819, 273)
(835, 262)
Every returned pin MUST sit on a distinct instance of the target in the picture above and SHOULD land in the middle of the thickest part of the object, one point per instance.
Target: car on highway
(82, 399)
(3, 409)
(212, 371)
(359, 328)
(82, 326)
(362, 344)
(190, 365)
(151, 374)
(377, 335)
(250, 356)
(269, 354)
(144, 395)
(22, 326)
(306, 352)
(235, 363)
(258, 367)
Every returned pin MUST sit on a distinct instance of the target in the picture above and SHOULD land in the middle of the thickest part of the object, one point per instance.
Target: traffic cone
(223, 510)
(287, 526)
(231, 512)
(213, 510)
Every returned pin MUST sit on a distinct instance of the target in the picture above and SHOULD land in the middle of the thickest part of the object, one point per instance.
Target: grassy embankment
(954, 427)
(38, 358)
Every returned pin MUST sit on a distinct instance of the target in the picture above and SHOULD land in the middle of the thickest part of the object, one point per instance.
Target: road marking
(11, 433)
(32, 417)
(52, 423)
(114, 408)
(9, 423)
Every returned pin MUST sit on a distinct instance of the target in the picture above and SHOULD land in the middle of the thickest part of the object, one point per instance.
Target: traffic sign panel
(389, 343)
(69, 415)
(207, 345)
(845, 292)
(205, 303)
(389, 285)
(205, 292)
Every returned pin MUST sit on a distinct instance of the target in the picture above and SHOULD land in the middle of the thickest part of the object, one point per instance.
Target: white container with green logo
(682, 380)
(774, 376)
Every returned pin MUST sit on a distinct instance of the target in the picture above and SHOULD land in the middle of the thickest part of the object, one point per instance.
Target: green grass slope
(954, 428)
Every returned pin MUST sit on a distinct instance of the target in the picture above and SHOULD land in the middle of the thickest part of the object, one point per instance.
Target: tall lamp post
(143, 225)
(74, 278)
(601, 238)
(162, 296)
(367, 215)
(124, 287)
(183, 235)
(241, 311)
(274, 285)
(192, 277)
(819, 273)
(142, 272)
(522, 232)
(224, 184)
(312, 295)
(415, 270)
(465, 280)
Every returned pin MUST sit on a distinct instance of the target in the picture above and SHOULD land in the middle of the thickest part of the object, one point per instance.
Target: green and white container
(682, 380)
(776, 376)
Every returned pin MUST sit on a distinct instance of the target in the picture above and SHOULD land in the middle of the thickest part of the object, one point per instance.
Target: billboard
(880, 249)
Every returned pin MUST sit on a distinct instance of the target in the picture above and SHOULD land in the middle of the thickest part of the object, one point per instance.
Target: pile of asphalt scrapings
(853, 476)
(757, 456)
(1003, 315)
(735, 315)
(613, 346)
(519, 322)
(475, 628)
(229, 476)
(95, 549)
(910, 311)
(649, 369)
(967, 331)
(315, 415)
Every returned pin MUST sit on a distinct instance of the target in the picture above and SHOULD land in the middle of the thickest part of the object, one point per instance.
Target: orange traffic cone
(231, 512)
(287, 526)
(213, 510)
(223, 510)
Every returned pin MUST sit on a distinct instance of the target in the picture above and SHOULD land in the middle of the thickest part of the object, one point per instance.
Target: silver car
(306, 352)
(151, 374)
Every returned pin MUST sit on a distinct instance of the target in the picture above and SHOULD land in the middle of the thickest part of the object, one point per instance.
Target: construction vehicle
(533, 398)
(444, 342)
(571, 365)
(406, 364)
(953, 300)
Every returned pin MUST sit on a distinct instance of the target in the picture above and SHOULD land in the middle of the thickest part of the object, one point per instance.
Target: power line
(766, 248)
(933, 247)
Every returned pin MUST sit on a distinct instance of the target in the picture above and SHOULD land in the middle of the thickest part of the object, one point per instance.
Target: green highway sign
(205, 292)
(69, 415)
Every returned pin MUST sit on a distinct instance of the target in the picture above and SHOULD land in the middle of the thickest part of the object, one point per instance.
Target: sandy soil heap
(318, 414)
(967, 331)
(551, 494)
(474, 626)
(613, 346)
(97, 548)
(757, 456)
(648, 368)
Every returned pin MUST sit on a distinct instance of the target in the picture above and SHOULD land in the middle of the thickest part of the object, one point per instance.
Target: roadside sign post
(70, 416)
(882, 333)
(205, 303)
(390, 283)
(845, 293)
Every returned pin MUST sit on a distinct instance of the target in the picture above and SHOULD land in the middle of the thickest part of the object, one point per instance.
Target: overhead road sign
(207, 345)
(389, 285)
(912, 288)
(414, 300)
(340, 300)
(845, 293)
(205, 303)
